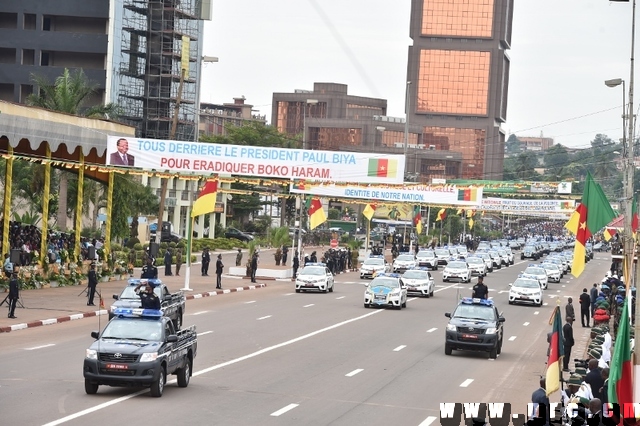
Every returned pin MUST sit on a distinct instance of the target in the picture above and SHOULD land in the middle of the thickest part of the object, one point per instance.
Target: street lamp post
(406, 123)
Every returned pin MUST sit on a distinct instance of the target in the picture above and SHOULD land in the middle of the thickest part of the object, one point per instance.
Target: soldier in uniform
(92, 284)
(480, 290)
(149, 299)
(206, 259)
(14, 294)
(239, 257)
(178, 261)
(149, 270)
(219, 270)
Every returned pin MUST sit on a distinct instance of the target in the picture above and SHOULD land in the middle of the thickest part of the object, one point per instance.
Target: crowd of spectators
(27, 240)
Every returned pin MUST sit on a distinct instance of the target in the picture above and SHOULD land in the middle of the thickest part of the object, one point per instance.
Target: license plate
(525, 297)
(413, 289)
(117, 367)
(469, 336)
(308, 285)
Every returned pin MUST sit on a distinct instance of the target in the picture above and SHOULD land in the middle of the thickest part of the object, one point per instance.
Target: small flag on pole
(206, 202)
(442, 214)
(417, 219)
(369, 211)
(101, 302)
(316, 214)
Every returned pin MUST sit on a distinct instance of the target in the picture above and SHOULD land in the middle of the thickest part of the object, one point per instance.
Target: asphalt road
(274, 357)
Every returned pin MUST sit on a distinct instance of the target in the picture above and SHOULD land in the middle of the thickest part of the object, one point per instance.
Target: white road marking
(431, 330)
(205, 332)
(39, 347)
(512, 338)
(466, 383)
(250, 301)
(428, 421)
(213, 367)
(536, 312)
(199, 313)
(399, 348)
(308, 306)
(525, 324)
(284, 410)
(545, 304)
(503, 291)
(341, 297)
(563, 286)
(354, 372)
(289, 294)
(261, 318)
(558, 291)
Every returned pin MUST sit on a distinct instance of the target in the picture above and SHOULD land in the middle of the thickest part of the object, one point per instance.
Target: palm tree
(69, 94)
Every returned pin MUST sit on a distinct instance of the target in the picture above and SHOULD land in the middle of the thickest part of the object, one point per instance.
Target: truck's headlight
(113, 308)
(491, 330)
(91, 354)
(451, 327)
(148, 357)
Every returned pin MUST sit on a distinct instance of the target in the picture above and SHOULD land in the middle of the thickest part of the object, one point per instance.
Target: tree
(245, 206)
(513, 145)
(130, 199)
(69, 93)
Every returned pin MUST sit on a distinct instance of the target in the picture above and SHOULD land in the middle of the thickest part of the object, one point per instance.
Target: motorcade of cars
(510, 254)
(315, 277)
(419, 282)
(427, 258)
(139, 347)
(373, 265)
(504, 256)
(474, 325)
(173, 305)
(404, 261)
(538, 271)
(525, 290)
(477, 265)
(530, 251)
(496, 258)
(386, 290)
(457, 269)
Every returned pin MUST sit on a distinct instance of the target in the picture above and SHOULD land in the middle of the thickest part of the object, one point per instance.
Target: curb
(74, 317)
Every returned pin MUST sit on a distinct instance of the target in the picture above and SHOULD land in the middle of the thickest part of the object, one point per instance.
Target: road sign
(334, 243)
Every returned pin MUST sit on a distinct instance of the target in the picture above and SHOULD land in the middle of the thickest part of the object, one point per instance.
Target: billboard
(259, 161)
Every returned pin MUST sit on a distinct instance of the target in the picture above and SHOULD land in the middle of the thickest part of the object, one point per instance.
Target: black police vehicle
(139, 347)
(475, 325)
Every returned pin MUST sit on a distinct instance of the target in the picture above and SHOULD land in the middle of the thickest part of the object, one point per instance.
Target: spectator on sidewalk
(569, 311)
(593, 295)
(585, 307)
(219, 270)
(567, 333)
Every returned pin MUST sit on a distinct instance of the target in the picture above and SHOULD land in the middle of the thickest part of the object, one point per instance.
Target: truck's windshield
(129, 293)
(133, 329)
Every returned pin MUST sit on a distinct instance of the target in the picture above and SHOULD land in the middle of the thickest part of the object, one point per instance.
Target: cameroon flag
(442, 214)
(556, 353)
(382, 167)
(206, 202)
(417, 219)
(620, 388)
(369, 211)
(595, 213)
(316, 214)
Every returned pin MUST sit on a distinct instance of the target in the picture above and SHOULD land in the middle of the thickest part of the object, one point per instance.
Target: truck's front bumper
(112, 374)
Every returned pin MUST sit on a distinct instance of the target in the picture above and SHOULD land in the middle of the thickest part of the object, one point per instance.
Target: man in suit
(541, 401)
(206, 259)
(567, 332)
(569, 311)
(594, 379)
(121, 157)
(92, 284)
(593, 294)
(14, 294)
(585, 306)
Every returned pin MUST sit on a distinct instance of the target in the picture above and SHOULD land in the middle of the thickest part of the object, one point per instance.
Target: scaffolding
(150, 72)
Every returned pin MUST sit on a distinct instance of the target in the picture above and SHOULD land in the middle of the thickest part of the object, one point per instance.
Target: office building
(459, 73)
(215, 119)
(535, 144)
(328, 118)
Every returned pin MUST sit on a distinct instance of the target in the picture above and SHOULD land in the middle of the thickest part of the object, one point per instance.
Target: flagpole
(368, 240)
(428, 218)
(187, 276)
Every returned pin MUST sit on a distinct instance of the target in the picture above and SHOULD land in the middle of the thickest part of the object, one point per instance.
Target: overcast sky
(562, 51)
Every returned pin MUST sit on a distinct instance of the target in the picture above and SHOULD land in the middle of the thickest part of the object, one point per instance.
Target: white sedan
(419, 282)
(315, 276)
(477, 265)
(539, 272)
(553, 271)
(525, 290)
(372, 266)
(386, 290)
(403, 262)
(458, 270)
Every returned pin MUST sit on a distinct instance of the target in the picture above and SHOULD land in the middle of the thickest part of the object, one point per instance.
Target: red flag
(556, 353)
(206, 202)
(620, 388)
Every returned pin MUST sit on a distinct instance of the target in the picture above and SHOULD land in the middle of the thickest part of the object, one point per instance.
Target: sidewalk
(55, 305)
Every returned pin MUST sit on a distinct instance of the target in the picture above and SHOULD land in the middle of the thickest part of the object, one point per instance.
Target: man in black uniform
(296, 265)
(480, 290)
(14, 294)
(567, 333)
(585, 306)
(93, 283)
(148, 298)
(167, 263)
(149, 270)
(219, 269)
(254, 267)
(593, 294)
(206, 259)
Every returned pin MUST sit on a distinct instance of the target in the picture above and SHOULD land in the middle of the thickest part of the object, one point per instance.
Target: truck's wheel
(178, 322)
(494, 353)
(184, 374)
(157, 387)
(90, 388)
(447, 349)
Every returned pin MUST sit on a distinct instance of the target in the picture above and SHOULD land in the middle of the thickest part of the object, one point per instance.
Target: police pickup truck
(173, 305)
(139, 347)
(475, 325)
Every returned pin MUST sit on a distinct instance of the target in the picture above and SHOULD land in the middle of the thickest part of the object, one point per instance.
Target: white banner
(208, 158)
(423, 194)
(527, 206)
